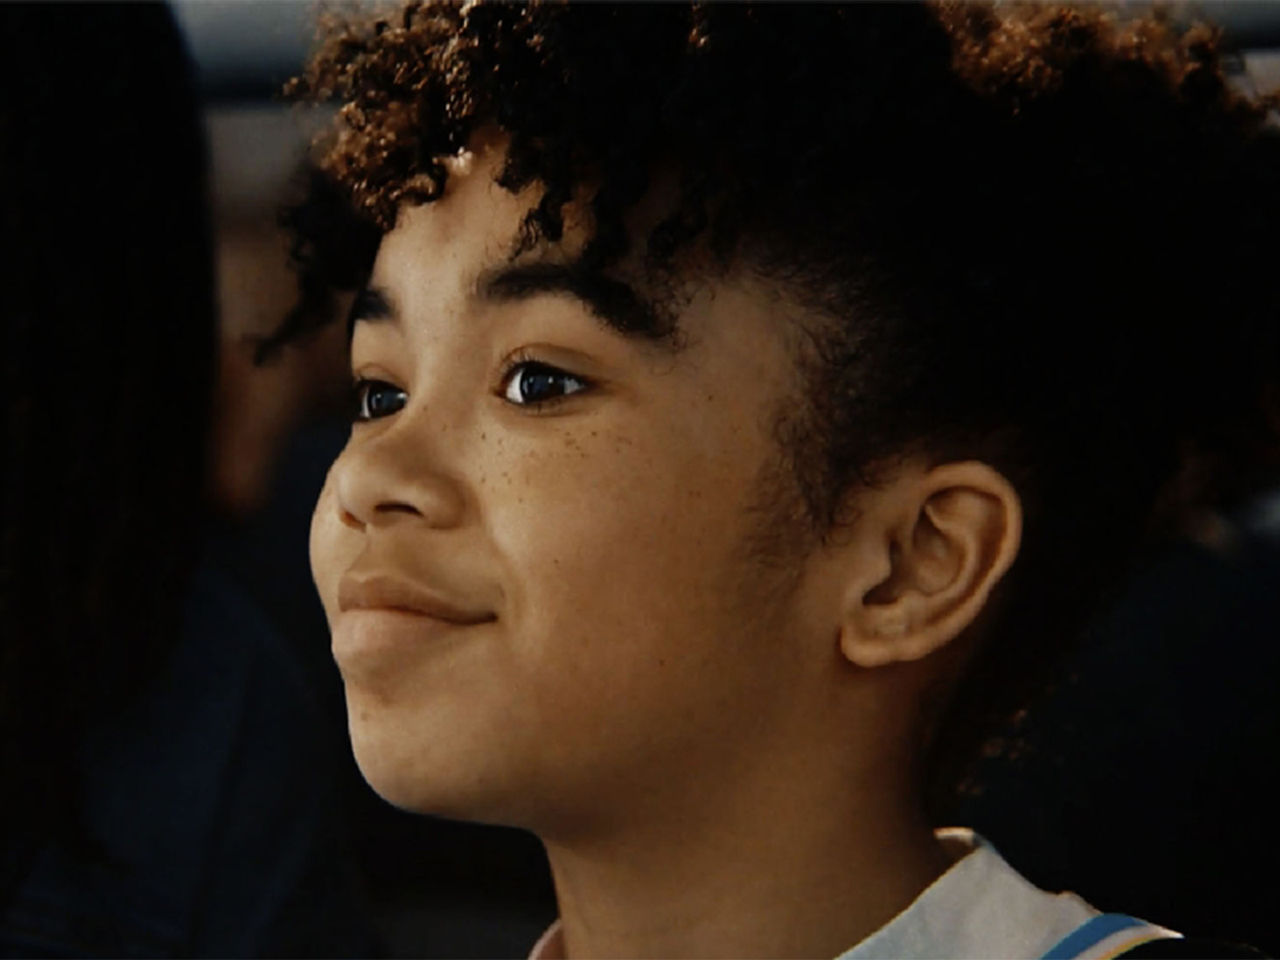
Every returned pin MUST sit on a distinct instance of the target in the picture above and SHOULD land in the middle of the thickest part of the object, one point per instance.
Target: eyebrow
(612, 301)
(371, 304)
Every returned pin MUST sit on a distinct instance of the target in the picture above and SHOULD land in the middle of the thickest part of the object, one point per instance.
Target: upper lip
(377, 592)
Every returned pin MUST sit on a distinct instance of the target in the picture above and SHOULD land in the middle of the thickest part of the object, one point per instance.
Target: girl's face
(539, 552)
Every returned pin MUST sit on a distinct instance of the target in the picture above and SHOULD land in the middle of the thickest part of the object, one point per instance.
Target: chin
(428, 768)
(396, 763)
(406, 793)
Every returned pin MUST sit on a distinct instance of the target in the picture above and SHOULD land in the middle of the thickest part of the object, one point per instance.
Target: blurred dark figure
(1146, 779)
(160, 790)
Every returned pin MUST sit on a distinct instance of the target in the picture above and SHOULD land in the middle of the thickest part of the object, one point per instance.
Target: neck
(786, 866)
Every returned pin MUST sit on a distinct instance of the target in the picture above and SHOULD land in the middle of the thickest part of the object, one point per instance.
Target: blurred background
(1146, 781)
(1119, 836)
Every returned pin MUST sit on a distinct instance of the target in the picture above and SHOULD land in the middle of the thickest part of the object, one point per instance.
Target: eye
(375, 399)
(530, 383)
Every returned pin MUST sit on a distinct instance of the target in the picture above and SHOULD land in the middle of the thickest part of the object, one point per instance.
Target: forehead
(459, 250)
(463, 249)
(473, 225)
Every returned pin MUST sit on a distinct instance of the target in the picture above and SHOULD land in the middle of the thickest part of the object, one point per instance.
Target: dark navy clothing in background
(1149, 782)
(213, 809)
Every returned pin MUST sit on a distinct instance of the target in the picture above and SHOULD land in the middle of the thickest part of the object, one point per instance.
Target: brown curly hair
(1034, 235)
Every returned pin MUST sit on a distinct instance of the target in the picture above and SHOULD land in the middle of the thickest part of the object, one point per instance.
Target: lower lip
(370, 637)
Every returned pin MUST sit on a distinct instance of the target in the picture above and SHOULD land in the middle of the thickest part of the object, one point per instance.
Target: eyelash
(360, 393)
(522, 360)
(363, 388)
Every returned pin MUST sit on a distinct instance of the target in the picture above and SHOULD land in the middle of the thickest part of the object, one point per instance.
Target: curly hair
(1038, 236)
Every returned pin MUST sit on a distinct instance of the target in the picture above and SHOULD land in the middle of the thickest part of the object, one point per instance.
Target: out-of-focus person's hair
(108, 354)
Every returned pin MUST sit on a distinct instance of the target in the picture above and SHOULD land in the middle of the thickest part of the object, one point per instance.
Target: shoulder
(980, 907)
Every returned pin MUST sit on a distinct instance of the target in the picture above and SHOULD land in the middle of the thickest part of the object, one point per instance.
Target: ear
(932, 545)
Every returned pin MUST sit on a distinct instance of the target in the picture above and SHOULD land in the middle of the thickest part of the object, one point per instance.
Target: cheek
(623, 544)
(639, 629)
(324, 547)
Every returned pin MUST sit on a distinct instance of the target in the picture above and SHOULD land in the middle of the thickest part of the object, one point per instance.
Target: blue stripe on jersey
(1090, 934)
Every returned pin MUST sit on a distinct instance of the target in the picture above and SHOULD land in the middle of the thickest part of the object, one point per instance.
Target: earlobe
(946, 536)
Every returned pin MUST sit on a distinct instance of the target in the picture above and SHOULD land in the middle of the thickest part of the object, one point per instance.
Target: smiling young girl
(715, 367)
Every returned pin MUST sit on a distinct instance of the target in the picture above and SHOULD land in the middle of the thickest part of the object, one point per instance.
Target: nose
(396, 473)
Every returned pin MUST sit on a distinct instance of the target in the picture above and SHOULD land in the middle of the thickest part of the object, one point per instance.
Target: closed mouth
(401, 596)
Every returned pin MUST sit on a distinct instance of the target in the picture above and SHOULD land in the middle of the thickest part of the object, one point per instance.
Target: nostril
(396, 506)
